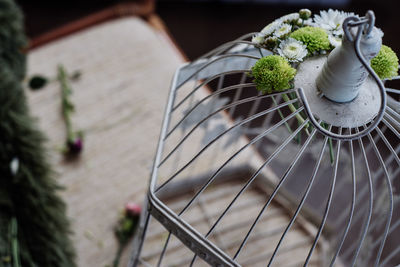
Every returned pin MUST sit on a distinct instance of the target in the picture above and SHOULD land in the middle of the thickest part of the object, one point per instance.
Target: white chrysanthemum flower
(289, 17)
(331, 20)
(270, 28)
(307, 22)
(258, 38)
(283, 30)
(293, 50)
(334, 40)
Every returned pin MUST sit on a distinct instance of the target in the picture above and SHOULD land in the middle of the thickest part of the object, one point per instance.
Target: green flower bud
(316, 39)
(305, 13)
(271, 43)
(386, 63)
(272, 74)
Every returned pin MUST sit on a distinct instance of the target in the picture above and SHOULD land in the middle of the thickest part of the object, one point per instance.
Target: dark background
(198, 26)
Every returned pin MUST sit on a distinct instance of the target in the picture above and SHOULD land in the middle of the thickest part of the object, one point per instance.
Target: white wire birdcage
(237, 181)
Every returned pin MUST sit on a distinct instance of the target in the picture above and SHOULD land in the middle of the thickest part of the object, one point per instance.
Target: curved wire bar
(278, 186)
(370, 205)
(392, 78)
(363, 191)
(315, 171)
(237, 95)
(160, 259)
(390, 191)
(391, 128)
(254, 140)
(255, 174)
(391, 90)
(211, 62)
(140, 236)
(226, 89)
(223, 47)
(394, 154)
(389, 146)
(236, 103)
(392, 228)
(382, 92)
(328, 202)
(351, 211)
(232, 44)
(389, 123)
(394, 113)
(209, 79)
(235, 125)
(395, 252)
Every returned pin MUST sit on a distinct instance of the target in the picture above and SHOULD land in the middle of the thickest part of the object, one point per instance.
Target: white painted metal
(343, 75)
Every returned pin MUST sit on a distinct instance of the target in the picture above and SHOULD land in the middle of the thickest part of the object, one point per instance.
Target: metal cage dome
(237, 181)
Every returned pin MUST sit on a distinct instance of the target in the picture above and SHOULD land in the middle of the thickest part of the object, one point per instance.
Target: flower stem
(118, 255)
(67, 106)
(261, 53)
(331, 153)
(293, 109)
(282, 117)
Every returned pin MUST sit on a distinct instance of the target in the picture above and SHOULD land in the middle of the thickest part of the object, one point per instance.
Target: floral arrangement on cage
(295, 37)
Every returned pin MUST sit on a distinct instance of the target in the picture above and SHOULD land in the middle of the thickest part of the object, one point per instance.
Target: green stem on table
(14, 243)
(67, 106)
(293, 109)
(282, 117)
(118, 255)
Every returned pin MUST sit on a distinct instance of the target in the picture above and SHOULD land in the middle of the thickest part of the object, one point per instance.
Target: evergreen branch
(28, 194)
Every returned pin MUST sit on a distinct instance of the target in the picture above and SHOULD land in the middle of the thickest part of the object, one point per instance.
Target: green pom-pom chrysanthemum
(272, 74)
(386, 63)
(316, 39)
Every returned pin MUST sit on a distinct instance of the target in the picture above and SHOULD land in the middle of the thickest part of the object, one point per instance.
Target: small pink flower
(75, 146)
(133, 209)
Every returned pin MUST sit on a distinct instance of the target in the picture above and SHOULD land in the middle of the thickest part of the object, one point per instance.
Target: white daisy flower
(307, 22)
(258, 38)
(331, 20)
(334, 40)
(290, 17)
(270, 28)
(283, 30)
(293, 50)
